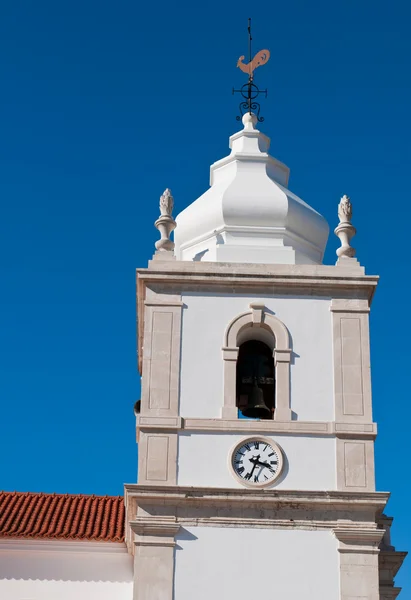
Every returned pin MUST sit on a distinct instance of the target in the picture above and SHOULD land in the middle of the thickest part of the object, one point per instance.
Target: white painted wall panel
(308, 320)
(35, 573)
(215, 563)
(203, 460)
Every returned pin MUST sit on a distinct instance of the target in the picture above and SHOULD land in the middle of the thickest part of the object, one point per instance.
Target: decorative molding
(178, 495)
(389, 593)
(155, 531)
(159, 423)
(357, 539)
(325, 428)
(349, 305)
(257, 310)
(163, 303)
(389, 563)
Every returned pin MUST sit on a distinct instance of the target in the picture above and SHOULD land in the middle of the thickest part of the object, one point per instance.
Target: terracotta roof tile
(62, 516)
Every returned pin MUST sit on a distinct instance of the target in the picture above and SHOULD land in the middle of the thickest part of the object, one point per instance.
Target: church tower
(256, 439)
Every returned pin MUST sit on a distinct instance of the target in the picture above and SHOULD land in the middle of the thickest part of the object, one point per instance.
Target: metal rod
(249, 40)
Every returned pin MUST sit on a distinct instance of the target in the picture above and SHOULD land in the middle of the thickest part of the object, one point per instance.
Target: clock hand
(254, 461)
(264, 464)
(257, 462)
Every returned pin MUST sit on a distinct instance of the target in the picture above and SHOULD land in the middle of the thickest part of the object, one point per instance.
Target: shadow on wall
(184, 535)
(60, 565)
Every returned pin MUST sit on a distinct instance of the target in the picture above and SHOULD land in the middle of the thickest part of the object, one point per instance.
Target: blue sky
(103, 105)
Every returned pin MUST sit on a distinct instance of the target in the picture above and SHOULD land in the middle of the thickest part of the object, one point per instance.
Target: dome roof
(248, 214)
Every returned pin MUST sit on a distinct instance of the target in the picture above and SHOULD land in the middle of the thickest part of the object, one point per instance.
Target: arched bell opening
(255, 391)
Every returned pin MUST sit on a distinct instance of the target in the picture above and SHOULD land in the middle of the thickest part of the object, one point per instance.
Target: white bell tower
(242, 318)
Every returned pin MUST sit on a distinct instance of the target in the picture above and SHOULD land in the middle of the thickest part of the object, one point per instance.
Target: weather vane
(250, 90)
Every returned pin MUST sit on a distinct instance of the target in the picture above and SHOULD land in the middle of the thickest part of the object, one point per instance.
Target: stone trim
(349, 305)
(158, 424)
(163, 303)
(176, 495)
(157, 457)
(213, 507)
(355, 464)
(351, 352)
(389, 563)
(390, 593)
(161, 359)
(325, 428)
(358, 553)
(258, 317)
(212, 269)
(355, 539)
(154, 531)
(153, 545)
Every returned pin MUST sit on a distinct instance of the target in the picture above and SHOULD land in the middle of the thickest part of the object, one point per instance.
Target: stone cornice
(321, 278)
(391, 560)
(176, 495)
(354, 540)
(249, 269)
(340, 430)
(351, 535)
(158, 531)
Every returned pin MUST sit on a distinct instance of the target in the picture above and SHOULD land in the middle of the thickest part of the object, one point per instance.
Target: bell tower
(255, 430)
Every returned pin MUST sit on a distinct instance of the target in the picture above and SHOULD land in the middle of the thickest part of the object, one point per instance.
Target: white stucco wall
(205, 319)
(32, 570)
(203, 460)
(216, 563)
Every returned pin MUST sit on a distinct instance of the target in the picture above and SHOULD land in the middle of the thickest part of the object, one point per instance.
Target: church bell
(256, 408)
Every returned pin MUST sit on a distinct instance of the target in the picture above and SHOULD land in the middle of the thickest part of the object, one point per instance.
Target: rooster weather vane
(250, 90)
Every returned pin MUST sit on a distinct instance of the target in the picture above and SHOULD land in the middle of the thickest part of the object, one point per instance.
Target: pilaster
(351, 350)
(358, 549)
(154, 542)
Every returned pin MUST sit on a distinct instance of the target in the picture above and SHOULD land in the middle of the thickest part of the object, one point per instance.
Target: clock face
(257, 462)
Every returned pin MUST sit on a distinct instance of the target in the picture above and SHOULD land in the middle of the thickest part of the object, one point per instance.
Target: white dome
(248, 214)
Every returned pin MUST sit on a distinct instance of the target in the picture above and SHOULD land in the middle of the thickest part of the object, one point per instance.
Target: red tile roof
(61, 516)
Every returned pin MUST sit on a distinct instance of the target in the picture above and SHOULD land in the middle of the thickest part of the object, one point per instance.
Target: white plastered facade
(316, 319)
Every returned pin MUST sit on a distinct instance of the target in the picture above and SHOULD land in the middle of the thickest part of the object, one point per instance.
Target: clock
(256, 462)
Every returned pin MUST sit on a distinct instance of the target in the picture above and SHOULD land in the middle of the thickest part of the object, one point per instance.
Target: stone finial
(165, 223)
(345, 230)
(166, 203)
(345, 209)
